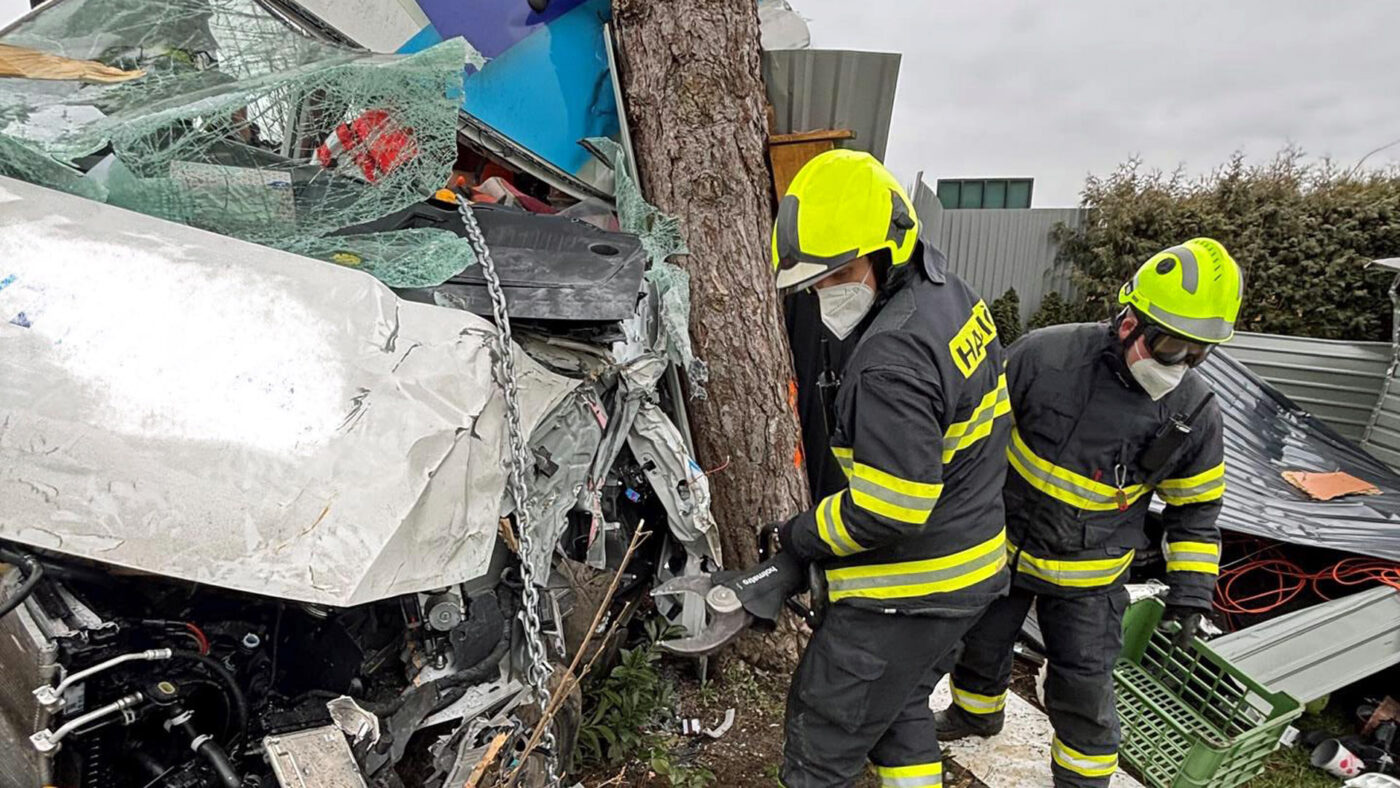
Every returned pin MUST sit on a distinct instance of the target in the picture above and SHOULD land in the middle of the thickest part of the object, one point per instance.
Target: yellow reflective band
(924, 775)
(832, 528)
(961, 435)
(1206, 486)
(919, 578)
(1193, 557)
(1088, 573)
(1063, 484)
(890, 496)
(1080, 763)
(844, 457)
(973, 703)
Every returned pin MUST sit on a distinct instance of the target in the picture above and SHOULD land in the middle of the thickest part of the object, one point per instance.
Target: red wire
(1291, 580)
(199, 636)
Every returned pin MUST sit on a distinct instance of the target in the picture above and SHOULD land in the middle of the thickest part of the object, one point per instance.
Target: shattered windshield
(216, 114)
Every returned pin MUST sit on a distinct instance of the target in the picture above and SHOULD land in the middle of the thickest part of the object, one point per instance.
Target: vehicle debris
(341, 597)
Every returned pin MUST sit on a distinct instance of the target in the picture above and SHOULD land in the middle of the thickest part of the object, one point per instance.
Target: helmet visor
(1170, 349)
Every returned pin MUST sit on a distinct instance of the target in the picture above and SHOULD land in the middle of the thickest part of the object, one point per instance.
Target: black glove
(763, 589)
(1187, 620)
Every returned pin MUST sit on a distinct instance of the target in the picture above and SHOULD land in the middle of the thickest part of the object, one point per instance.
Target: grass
(1290, 767)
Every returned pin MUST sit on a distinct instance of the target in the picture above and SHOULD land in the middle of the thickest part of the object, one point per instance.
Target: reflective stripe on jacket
(922, 419)
(1076, 497)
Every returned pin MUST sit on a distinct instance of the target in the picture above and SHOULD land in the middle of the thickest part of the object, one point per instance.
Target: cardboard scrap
(1326, 486)
(33, 64)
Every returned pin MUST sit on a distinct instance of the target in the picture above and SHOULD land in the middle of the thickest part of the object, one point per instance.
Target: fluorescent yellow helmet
(1192, 290)
(841, 205)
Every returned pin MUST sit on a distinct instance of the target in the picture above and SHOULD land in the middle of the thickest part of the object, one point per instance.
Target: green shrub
(623, 711)
(1054, 310)
(1006, 313)
(1302, 232)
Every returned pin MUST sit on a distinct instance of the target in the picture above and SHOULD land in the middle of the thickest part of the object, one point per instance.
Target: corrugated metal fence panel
(999, 249)
(1383, 442)
(813, 89)
(1337, 381)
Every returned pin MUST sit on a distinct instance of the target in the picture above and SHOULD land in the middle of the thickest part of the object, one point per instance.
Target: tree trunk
(694, 98)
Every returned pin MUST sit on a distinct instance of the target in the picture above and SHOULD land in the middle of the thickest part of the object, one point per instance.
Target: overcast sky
(1057, 90)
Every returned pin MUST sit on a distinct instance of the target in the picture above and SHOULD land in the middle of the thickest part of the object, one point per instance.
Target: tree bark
(695, 102)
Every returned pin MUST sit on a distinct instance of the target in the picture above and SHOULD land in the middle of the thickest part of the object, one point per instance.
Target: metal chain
(538, 671)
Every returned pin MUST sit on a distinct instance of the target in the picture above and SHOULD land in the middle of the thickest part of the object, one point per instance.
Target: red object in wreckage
(374, 141)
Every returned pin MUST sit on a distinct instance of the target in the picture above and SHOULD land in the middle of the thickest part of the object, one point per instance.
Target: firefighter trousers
(861, 693)
(1083, 635)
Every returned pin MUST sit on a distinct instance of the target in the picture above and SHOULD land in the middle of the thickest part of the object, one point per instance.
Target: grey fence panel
(1001, 248)
(1384, 441)
(812, 89)
(1337, 381)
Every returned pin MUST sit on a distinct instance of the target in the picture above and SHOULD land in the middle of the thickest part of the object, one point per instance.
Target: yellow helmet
(1192, 290)
(841, 205)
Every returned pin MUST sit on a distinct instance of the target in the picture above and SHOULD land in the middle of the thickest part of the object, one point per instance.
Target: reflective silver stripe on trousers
(1205, 558)
(930, 781)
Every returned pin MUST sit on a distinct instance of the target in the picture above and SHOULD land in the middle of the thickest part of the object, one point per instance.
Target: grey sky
(1057, 90)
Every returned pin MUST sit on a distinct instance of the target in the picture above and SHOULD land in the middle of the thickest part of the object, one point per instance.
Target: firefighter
(913, 547)
(1106, 415)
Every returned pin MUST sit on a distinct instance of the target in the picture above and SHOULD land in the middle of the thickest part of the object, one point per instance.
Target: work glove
(762, 589)
(1186, 620)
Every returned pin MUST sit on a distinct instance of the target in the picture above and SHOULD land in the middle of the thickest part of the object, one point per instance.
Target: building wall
(998, 249)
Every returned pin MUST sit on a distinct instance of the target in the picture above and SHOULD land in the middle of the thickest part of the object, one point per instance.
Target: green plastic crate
(1190, 718)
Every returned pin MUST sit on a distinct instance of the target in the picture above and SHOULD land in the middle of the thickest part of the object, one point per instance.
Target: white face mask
(1156, 378)
(843, 306)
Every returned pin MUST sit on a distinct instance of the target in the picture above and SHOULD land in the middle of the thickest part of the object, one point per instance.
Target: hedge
(1303, 232)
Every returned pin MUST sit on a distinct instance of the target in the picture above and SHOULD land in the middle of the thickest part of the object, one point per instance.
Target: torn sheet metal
(1267, 434)
(678, 480)
(1312, 652)
(562, 451)
(313, 758)
(187, 404)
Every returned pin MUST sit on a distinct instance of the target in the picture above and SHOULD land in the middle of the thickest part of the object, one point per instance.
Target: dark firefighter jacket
(920, 430)
(1077, 496)
(818, 359)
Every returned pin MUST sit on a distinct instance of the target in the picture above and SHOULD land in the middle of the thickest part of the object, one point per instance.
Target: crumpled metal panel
(682, 486)
(187, 404)
(1312, 652)
(1267, 434)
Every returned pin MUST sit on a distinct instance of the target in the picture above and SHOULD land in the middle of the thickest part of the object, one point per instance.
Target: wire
(199, 637)
(1288, 580)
